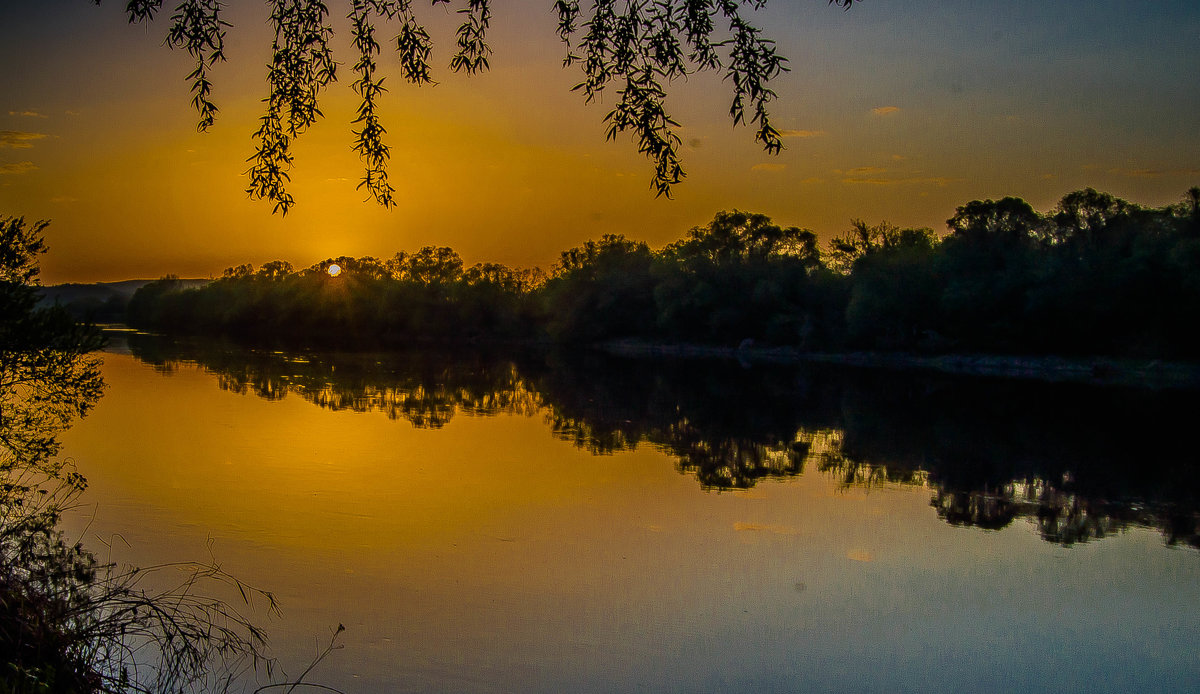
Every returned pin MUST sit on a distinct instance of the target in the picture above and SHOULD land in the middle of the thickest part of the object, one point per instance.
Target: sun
(334, 270)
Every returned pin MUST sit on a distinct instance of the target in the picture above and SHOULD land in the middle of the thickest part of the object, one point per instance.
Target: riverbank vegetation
(1096, 275)
(69, 621)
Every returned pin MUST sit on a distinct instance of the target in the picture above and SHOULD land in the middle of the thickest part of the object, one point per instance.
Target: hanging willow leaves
(368, 141)
(638, 47)
(473, 51)
(301, 67)
(198, 28)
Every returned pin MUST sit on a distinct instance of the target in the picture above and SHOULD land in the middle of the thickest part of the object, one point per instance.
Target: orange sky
(893, 111)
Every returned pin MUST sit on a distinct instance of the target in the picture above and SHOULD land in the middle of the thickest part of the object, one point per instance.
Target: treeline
(410, 297)
(1095, 275)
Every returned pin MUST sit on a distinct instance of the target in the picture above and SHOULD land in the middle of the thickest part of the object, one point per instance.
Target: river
(484, 523)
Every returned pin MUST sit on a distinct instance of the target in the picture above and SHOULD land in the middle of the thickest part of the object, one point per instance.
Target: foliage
(20, 246)
(36, 344)
(601, 290)
(896, 287)
(639, 46)
(1095, 276)
(740, 276)
(410, 297)
(863, 240)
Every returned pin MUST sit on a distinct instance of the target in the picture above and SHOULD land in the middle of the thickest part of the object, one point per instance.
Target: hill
(100, 301)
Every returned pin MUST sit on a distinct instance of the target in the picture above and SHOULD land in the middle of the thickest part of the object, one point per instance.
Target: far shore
(1145, 373)
(1096, 370)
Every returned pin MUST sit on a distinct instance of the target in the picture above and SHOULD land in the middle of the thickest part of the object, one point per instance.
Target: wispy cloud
(765, 528)
(884, 110)
(939, 181)
(27, 114)
(15, 139)
(802, 133)
(1154, 173)
(864, 171)
(874, 175)
(773, 168)
(17, 168)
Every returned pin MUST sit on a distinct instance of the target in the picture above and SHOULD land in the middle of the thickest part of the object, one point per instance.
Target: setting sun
(334, 270)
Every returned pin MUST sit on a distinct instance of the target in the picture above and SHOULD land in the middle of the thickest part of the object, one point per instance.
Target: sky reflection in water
(553, 545)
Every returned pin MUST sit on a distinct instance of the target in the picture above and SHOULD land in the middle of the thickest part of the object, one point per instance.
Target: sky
(892, 111)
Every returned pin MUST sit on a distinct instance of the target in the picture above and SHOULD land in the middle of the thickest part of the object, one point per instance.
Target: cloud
(768, 167)
(17, 168)
(874, 175)
(762, 527)
(859, 555)
(864, 171)
(1154, 173)
(14, 139)
(939, 181)
(802, 133)
(27, 114)
(884, 110)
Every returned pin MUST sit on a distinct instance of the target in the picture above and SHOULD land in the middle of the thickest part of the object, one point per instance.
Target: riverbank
(1143, 373)
(1100, 371)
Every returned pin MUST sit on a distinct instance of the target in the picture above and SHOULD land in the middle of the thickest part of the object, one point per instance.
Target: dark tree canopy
(636, 47)
(1096, 275)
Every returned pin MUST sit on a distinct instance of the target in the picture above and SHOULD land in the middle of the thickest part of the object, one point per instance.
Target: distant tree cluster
(1095, 275)
(740, 276)
(408, 297)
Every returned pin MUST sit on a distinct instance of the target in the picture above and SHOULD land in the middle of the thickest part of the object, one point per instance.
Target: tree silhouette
(634, 46)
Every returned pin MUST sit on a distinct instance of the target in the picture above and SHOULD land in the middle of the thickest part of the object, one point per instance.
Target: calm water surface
(484, 525)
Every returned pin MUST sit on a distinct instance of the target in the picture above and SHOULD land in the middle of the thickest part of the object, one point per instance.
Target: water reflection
(1079, 463)
(1065, 518)
(728, 426)
(426, 389)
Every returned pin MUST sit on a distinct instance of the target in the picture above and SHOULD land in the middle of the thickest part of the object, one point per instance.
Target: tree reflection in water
(426, 389)
(1080, 463)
